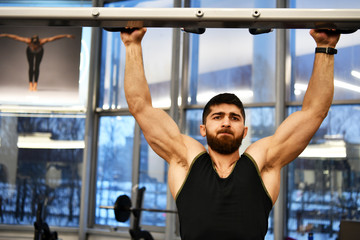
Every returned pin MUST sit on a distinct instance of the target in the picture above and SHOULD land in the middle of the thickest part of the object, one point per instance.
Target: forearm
(50, 39)
(13, 36)
(56, 37)
(137, 91)
(319, 94)
(8, 35)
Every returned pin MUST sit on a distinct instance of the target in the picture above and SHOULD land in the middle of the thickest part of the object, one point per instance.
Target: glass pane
(346, 70)
(323, 183)
(261, 123)
(157, 49)
(153, 176)
(232, 60)
(347, 63)
(114, 165)
(40, 165)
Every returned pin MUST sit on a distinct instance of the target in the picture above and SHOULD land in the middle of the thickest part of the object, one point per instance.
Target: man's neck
(223, 161)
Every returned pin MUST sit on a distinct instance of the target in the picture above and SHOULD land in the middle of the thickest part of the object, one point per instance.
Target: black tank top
(214, 208)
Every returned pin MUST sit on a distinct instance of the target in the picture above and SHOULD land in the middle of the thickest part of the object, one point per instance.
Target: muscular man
(34, 53)
(219, 193)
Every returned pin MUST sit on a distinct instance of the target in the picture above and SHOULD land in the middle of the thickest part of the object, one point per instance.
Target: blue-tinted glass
(261, 123)
(232, 60)
(324, 180)
(41, 154)
(41, 163)
(347, 63)
(114, 165)
(157, 49)
(153, 176)
(346, 70)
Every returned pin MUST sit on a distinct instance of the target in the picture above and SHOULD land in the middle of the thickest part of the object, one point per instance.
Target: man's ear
(203, 130)
(245, 132)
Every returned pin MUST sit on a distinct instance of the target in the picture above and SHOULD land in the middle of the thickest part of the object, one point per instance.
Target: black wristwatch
(328, 50)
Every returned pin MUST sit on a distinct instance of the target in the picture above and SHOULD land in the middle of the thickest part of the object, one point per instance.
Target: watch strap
(327, 50)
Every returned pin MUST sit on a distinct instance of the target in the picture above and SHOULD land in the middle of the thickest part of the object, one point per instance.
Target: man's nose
(225, 122)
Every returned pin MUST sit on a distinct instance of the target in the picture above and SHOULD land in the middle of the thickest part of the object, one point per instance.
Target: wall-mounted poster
(39, 66)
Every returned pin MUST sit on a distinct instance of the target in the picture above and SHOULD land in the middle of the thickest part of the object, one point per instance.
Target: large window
(232, 60)
(153, 176)
(157, 45)
(41, 153)
(114, 165)
(323, 180)
(42, 132)
(157, 55)
(41, 164)
(347, 66)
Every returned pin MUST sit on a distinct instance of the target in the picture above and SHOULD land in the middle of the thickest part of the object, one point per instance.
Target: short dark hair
(221, 98)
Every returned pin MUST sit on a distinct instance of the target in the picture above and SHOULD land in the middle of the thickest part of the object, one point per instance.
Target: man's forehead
(225, 108)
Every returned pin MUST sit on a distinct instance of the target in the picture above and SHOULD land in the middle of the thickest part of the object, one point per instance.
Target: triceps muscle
(162, 134)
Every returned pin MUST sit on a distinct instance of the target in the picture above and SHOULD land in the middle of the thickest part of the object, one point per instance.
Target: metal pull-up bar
(268, 18)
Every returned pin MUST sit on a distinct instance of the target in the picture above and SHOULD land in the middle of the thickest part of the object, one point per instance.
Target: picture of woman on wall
(34, 53)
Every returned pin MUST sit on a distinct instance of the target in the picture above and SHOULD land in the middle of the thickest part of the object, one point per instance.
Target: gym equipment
(187, 18)
(130, 30)
(135, 231)
(42, 230)
(122, 208)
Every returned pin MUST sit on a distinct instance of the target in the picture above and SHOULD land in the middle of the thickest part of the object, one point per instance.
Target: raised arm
(295, 133)
(16, 37)
(159, 129)
(50, 39)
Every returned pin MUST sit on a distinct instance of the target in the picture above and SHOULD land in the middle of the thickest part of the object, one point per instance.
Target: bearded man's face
(224, 142)
(224, 128)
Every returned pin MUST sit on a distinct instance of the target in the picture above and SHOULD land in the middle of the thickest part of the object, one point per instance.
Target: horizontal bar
(157, 210)
(143, 209)
(343, 19)
(106, 207)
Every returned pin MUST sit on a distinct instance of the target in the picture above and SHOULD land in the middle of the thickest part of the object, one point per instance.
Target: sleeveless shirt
(214, 208)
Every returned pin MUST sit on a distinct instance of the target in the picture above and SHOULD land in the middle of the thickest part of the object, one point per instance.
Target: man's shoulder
(258, 151)
(193, 148)
(192, 144)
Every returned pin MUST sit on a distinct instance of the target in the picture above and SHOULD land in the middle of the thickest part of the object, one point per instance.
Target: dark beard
(224, 144)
